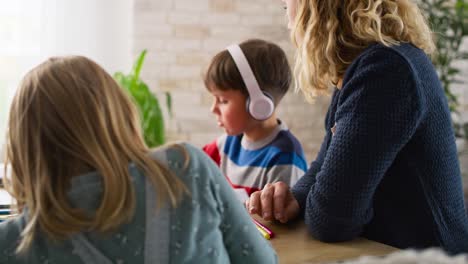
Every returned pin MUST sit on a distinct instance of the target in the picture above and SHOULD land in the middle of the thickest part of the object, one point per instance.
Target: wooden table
(293, 246)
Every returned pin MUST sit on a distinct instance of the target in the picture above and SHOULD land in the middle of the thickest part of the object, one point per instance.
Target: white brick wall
(181, 37)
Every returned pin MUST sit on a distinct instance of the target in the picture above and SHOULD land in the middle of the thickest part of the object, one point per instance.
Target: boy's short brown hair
(269, 64)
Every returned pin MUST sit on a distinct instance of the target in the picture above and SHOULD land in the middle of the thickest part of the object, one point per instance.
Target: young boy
(247, 82)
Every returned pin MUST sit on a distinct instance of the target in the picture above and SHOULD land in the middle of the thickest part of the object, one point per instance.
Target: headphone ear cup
(261, 108)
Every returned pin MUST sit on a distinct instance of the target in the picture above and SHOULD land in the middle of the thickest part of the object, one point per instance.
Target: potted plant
(147, 103)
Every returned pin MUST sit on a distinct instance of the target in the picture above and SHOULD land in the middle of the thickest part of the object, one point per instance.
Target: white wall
(101, 30)
(33, 30)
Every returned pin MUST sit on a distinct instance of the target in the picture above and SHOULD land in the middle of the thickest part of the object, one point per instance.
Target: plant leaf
(169, 103)
(152, 120)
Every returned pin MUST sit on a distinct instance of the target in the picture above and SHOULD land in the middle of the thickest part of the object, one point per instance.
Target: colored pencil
(263, 232)
(266, 229)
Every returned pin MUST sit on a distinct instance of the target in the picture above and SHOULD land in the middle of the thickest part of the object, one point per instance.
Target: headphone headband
(245, 70)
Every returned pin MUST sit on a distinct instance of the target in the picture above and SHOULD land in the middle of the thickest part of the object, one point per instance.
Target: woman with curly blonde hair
(387, 169)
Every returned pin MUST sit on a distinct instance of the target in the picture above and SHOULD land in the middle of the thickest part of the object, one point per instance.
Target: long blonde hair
(330, 34)
(69, 117)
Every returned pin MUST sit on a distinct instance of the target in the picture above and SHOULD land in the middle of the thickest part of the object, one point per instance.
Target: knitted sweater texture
(389, 171)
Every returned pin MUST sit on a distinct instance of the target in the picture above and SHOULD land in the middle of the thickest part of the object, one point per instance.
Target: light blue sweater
(209, 226)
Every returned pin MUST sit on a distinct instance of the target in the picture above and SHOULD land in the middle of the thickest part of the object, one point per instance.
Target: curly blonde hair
(330, 34)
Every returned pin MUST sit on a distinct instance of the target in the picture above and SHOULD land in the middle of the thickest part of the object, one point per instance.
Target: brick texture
(181, 36)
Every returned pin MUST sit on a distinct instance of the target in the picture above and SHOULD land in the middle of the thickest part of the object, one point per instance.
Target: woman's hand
(275, 201)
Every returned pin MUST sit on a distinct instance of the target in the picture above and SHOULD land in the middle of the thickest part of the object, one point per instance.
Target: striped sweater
(251, 165)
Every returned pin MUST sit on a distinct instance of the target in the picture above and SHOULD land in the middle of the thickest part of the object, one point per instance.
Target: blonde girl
(88, 190)
(387, 169)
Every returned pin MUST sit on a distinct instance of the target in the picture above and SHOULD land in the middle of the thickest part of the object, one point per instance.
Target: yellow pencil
(264, 234)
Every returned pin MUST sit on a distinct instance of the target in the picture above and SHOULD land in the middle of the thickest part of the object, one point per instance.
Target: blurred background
(180, 37)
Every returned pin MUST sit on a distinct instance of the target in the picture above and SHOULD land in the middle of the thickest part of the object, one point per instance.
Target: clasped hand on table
(274, 202)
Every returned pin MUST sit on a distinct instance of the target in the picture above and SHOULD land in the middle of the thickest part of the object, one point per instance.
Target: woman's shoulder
(391, 67)
(401, 56)
(378, 53)
(388, 75)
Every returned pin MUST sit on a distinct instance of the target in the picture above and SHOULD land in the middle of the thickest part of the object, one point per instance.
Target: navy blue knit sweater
(390, 171)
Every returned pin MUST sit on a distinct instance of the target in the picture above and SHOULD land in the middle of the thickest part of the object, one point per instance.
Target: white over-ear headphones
(259, 104)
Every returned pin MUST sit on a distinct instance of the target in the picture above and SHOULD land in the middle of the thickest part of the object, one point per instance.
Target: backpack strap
(157, 222)
(157, 228)
(87, 252)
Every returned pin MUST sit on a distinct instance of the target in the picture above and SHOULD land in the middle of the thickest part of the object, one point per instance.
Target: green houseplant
(449, 21)
(152, 118)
